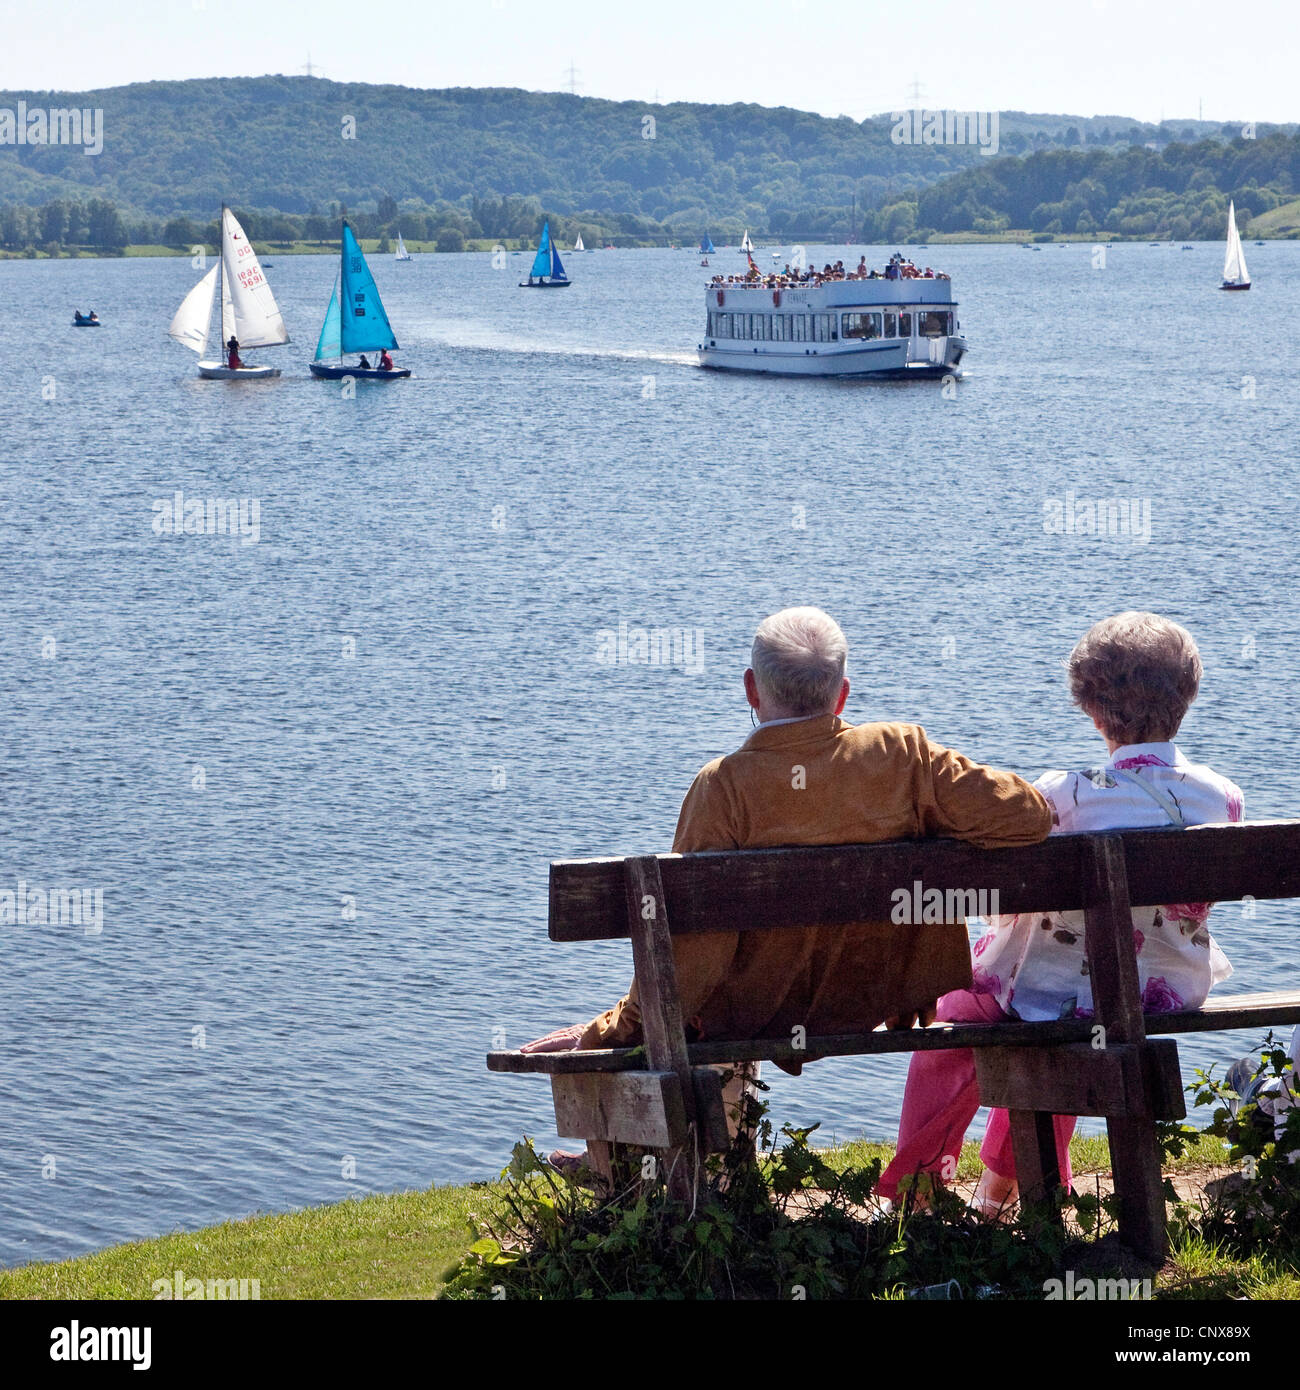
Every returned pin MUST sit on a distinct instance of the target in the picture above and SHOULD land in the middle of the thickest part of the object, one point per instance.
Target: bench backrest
(753, 890)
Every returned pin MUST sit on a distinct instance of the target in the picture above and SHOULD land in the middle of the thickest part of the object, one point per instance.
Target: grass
(400, 1245)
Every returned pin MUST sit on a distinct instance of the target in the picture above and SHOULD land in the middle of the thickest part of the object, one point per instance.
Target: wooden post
(661, 1010)
(1117, 1007)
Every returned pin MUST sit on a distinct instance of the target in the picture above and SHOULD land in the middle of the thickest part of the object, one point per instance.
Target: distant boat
(1235, 274)
(704, 260)
(355, 320)
(776, 255)
(706, 245)
(577, 245)
(249, 312)
(548, 271)
(80, 320)
(745, 243)
(402, 253)
(1259, 243)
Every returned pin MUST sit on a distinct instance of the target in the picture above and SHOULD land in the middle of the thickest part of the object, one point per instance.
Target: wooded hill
(489, 162)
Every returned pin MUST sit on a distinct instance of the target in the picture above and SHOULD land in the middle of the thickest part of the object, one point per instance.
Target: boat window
(824, 328)
(742, 325)
(860, 325)
(905, 325)
(933, 323)
(891, 325)
(799, 322)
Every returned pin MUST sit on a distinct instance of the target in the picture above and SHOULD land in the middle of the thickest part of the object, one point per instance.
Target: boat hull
(218, 371)
(95, 324)
(886, 363)
(1226, 286)
(331, 373)
(545, 284)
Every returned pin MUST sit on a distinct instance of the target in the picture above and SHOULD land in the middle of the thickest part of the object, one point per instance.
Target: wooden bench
(665, 1097)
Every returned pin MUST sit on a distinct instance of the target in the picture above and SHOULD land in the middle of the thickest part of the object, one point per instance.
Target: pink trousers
(941, 1100)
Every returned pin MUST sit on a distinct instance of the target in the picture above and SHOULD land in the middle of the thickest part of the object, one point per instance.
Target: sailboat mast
(221, 281)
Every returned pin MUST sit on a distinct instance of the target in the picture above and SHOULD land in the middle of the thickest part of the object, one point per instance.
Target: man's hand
(562, 1040)
(918, 1018)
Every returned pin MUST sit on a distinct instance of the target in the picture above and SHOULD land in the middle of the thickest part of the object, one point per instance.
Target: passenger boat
(355, 320)
(878, 327)
(1235, 274)
(548, 271)
(249, 312)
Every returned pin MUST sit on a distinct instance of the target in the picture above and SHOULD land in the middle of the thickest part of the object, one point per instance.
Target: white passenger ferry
(904, 327)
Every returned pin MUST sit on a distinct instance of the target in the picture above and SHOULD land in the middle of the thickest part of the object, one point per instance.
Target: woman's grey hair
(799, 657)
(1135, 674)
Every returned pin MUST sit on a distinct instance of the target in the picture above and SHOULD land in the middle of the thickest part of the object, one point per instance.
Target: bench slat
(754, 890)
(1268, 1008)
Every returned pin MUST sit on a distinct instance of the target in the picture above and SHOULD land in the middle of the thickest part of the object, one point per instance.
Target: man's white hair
(799, 658)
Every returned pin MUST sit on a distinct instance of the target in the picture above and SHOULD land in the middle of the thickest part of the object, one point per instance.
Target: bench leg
(1033, 1141)
(1139, 1185)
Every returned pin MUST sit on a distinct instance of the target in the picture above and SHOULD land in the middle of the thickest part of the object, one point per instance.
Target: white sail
(402, 253)
(194, 317)
(745, 243)
(257, 320)
(577, 245)
(1234, 260)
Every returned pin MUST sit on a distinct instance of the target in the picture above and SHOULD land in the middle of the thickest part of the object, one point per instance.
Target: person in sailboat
(364, 364)
(385, 360)
(233, 360)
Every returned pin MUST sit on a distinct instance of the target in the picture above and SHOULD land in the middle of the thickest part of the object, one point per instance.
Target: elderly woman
(1134, 675)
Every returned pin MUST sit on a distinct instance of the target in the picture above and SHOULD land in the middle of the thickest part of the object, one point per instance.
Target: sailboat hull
(218, 371)
(545, 284)
(328, 372)
(1226, 286)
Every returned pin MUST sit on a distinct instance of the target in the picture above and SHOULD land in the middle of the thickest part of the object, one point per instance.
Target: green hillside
(299, 145)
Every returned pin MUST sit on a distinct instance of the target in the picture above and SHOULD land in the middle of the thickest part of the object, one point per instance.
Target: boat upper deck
(835, 293)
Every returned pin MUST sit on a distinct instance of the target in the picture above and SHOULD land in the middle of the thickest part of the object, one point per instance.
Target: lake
(318, 771)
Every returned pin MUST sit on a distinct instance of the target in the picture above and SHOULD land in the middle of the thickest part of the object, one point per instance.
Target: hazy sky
(1142, 58)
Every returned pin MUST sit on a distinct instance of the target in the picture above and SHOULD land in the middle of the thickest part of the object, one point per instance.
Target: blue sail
(557, 266)
(365, 326)
(706, 245)
(330, 343)
(542, 260)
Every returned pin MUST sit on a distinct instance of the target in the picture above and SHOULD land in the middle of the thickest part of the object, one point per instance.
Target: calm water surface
(238, 1031)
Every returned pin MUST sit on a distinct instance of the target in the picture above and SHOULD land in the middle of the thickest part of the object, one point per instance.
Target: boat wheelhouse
(874, 327)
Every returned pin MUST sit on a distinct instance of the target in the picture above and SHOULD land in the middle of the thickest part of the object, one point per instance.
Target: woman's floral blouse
(1036, 963)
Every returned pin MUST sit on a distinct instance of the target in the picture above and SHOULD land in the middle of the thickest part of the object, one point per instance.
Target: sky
(1149, 59)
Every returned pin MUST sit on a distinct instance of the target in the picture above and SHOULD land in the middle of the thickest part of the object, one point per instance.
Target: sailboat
(548, 270)
(577, 245)
(402, 253)
(1235, 274)
(745, 244)
(249, 313)
(355, 320)
(707, 247)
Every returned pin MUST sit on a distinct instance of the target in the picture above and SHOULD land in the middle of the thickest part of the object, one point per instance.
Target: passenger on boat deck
(385, 361)
(232, 354)
(862, 268)
(364, 364)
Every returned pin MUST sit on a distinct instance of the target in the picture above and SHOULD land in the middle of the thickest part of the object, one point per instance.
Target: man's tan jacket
(824, 782)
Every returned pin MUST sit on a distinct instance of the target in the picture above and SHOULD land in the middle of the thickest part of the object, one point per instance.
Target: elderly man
(807, 777)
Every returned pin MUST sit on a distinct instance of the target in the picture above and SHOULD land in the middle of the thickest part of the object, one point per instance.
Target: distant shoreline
(269, 250)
